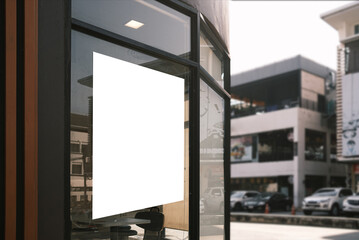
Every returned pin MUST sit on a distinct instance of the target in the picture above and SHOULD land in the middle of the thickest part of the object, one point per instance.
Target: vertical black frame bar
(67, 189)
(53, 118)
(2, 119)
(227, 148)
(20, 122)
(194, 133)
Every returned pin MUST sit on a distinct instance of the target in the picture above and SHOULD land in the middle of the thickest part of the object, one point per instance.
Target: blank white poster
(138, 137)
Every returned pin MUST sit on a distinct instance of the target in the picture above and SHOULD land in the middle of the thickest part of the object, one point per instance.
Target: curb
(319, 221)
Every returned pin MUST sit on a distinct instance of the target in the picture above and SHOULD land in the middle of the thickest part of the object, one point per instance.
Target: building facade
(346, 21)
(283, 129)
(111, 109)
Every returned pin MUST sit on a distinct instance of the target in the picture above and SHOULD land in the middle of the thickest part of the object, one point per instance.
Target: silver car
(238, 197)
(351, 205)
(326, 200)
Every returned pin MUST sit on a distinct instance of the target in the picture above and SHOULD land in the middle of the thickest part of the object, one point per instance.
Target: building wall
(346, 29)
(266, 122)
(299, 119)
(312, 83)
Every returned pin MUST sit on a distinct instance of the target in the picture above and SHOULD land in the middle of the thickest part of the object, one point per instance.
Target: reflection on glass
(146, 21)
(211, 164)
(83, 226)
(315, 143)
(211, 59)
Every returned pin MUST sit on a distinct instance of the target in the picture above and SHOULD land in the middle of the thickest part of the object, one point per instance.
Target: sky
(264, 32)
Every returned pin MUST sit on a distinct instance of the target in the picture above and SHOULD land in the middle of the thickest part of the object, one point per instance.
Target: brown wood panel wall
(10, 120)
(31, 112)
(30, 121)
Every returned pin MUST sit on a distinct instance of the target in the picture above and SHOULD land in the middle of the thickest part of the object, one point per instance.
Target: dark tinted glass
(275, 145)
(265, 95)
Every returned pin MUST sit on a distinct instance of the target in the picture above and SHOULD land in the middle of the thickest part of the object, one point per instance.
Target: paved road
(258, 231)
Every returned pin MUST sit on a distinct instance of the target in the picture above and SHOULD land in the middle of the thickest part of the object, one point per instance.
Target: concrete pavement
(259, 231)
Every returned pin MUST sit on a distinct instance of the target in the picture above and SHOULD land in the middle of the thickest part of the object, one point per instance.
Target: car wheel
(238, 207)
(306, 212)
(335, 210)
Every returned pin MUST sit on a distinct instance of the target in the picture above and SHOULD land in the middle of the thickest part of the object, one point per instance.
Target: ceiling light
(134, 24)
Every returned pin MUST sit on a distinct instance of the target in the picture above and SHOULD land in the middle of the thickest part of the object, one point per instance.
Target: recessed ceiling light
(134, 24)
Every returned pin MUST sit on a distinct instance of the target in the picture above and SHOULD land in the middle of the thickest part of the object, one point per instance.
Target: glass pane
(276, 145)
(146, 21)
(211, 164)
(265, 95)
(211, 59)
(315, 143)
(81, 127)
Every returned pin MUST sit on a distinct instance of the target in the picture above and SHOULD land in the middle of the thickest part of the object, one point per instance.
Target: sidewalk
(258, 231)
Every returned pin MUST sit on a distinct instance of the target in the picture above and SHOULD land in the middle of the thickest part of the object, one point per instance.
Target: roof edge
(338, 10)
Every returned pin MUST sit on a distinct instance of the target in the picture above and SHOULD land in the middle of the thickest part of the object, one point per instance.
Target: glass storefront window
(315, 143)
(146, 21)
(81, 127)
(264, 96)
(275, 145)
(211, 59)
(211, 164)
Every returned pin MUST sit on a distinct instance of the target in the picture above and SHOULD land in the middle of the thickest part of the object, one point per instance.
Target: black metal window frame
(54, 109)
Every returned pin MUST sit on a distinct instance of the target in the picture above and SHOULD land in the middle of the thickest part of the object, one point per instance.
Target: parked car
(213, 200)
(275, 201)
(351, 205)
(237, 198)
(326, 200)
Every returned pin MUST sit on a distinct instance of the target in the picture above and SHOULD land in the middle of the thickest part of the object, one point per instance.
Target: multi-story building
(283, 129)
(346, 21)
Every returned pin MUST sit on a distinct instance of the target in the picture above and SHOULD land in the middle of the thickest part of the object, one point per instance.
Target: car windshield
(266, 195)
(325, 193)
(237, 194)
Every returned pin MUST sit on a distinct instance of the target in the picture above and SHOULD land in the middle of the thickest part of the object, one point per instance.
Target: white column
(299, 164)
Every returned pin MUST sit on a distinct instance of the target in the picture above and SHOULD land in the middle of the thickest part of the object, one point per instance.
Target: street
(258, 231)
